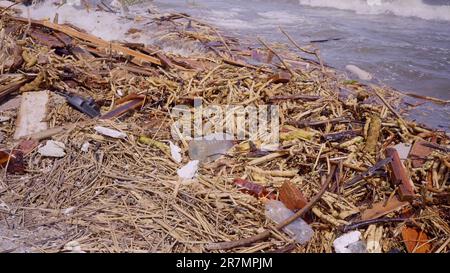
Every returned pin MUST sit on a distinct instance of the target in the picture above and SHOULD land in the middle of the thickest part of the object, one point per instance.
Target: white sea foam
(106, 25)
(406, 8)
(280, 17)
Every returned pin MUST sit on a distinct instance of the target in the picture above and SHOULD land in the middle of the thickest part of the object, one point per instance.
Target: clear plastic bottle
(299, 229)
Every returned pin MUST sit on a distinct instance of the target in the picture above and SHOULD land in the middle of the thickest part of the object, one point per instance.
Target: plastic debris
(253, 188)
(175, 152)
(281, 77)
(208, 150)
(419, 153)
(210, 147)
(109, 132)
(333, 131)
(349, 243)
(299, 229)
(362, 75)
(403, 150)
(69, 210)
(416, 241)
(85, 147)
(73, 247)
(13, 160)
(292, 197)
(189, 170)
(52, 149)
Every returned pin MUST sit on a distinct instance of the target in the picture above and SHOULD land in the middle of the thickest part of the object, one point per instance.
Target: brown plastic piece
(281, 77)
(13, 160)
(253, 188)
(416, 241)
(291, 196)
(418, 153)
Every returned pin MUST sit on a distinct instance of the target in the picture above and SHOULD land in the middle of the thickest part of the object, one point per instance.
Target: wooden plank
(400, 177)
(32, 114)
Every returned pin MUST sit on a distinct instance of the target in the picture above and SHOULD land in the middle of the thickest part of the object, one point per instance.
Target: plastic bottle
(299, 229)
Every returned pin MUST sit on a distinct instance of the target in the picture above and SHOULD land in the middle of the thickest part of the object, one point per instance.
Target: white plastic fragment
(68, 210)
(52, 149)
(3, 119)
(32, 114)
(109, 132)
(403, 150)
(299, 229)
(363, 75)
(85, 147)
(189, 170)
(73, 2)
(349, 243)
(210, 147)
(175, 152)
(73, 247)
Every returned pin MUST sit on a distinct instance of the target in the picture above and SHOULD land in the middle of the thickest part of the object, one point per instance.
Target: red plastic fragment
(253, 188)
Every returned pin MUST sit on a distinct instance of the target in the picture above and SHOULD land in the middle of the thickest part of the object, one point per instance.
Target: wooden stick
(11, 87)
(294, 97)
(265, 234)
(210, 26)
(223, 41)
(315, 53)
(241, 64)
(387, 104)
(436, 100)
(371, 222)
(278, 56)
(439, 250)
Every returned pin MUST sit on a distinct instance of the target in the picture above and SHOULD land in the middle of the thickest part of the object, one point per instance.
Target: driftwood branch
(295, 97)
(388, 105)
(371, 222)
(315, 52)
(265, 234)
(278, 56)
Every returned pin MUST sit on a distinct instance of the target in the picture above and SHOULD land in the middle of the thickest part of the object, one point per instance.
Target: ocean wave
(424, 9)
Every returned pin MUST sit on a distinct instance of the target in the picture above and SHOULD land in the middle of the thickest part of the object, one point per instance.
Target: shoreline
(128, 186)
